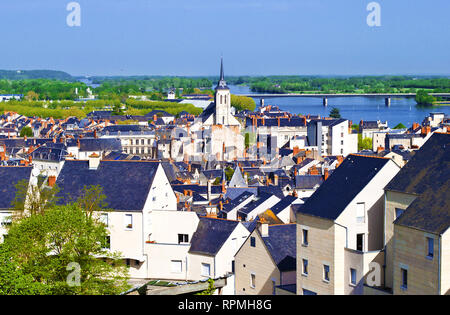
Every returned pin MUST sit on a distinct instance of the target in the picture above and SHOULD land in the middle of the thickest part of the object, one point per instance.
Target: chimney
(51, 181)
(94, 161)
(326, 174)
(380, 149)
(209, 190)
(275, 180)
(189, 167)
(264, 228)
(223, 186)
(78, 144)
(155, 117)
(30, 159)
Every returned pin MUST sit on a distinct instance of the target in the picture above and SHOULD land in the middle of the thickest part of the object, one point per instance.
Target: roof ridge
(370, 156)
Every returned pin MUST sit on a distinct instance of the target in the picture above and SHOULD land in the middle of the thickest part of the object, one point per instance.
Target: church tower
(222, 100)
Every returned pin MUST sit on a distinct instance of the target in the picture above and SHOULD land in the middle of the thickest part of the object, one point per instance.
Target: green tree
(400, 126)
(334, 113)
(364, 144)
(26, 131)
(242, 102)
(13, 281)
(422, 98)
(33, 199)
(45, 245)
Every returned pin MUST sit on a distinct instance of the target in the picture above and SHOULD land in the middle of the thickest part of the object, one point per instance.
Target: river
(402, 110)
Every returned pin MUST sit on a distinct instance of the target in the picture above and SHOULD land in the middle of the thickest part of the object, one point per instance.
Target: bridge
(387, 96)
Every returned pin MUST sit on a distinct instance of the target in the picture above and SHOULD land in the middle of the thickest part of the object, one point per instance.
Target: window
(430, 243)
(308, 292)
(305, 267)
(232, 266)
(305, 237)
(128, 221)
(398, 212)
(175, 266)
(326, 272)
(360, 242)
(206, 269)
(360, 212)
(404, 272)
(104, 219)
(252, 242)
(107, 243)
(183, 238)
(252, 280)
(353, 276)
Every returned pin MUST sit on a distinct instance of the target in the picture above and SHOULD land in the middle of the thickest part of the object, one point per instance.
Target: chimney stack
(94, 161)
(264, 228)
(51, 181)
(326, 174)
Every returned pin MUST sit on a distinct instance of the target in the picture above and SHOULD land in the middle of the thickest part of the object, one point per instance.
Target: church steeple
(222, 84)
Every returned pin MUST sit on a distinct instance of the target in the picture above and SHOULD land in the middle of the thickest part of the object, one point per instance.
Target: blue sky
(256, 37)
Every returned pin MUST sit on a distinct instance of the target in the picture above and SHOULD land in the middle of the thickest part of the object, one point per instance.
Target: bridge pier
(387, 101)
(325, 101)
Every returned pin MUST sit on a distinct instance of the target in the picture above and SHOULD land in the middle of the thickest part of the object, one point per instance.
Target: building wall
(320, 250)
(410, 251)
(372, 195)
(445, 263)
(393, 200)
(128, 242)
(160, 256)
(258, 261)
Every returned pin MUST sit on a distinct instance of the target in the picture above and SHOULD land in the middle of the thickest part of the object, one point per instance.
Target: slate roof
(430, 212)
(281, 244)
(126, 184)
(100, 144)
(237, 180)
(254, 204)
(49, 154)
(9, 177)
(308, 181)
(210, 235)
(283, 204)
(428, 168)
(333, 196)
(237, 201)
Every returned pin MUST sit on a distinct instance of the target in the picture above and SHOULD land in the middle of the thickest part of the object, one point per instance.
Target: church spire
(222, 83)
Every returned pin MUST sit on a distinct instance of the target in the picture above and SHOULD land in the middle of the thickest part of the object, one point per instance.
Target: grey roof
(126, 184)
(308, 181)
(281, 244)
(283, 204)
(100, 144)
(9, 177)
(237, 180)
(430, 212)
(210, 235)
(333, 196)
(428, 168)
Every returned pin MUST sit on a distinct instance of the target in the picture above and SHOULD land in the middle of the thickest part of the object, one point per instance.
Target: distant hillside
(35, 74)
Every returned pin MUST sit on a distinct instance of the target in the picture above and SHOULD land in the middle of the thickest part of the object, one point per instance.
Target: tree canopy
(61, 249)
